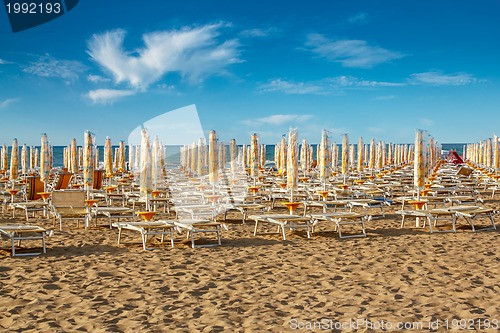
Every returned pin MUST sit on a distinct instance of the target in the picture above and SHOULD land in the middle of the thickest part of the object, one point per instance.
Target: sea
(173, 152)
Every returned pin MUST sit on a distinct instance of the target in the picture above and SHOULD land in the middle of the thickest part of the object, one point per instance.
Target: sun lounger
(23, 233)
(283, 221)
(69, 205)
(343, 218)
(472, 212)
(199, 226)
(112, 213)
(147, 229)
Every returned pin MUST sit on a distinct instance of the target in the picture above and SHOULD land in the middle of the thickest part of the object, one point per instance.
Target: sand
(393, 277)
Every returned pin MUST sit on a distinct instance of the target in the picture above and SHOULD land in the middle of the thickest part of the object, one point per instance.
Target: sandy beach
(86, 282)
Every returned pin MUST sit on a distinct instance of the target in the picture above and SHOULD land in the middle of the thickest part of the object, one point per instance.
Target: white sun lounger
(147, 229)
(343, 218)
(199, 226)
(283, 221)
(16, 232)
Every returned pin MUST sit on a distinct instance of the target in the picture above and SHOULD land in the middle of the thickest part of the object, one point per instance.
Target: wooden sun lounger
(21, 233)
(147, 229)
(343, 218)
(283, 221)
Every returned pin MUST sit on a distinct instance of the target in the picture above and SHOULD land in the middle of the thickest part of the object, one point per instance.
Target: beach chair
(342, 219)
(62, 181)
(147, 229)
(33, 201)
(17, 233)
(283, 222)
(470, 213)
(69, 205)
(195, 226)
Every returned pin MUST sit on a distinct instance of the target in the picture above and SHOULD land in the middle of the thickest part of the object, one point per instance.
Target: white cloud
(438, 78)
(7, 102)
(258, 32)
(292, 88)
(279, 119)
(359, 18)
(322, 87)
(349, 52)
(108, 96)
(384, 98)
(97, 78)
(48, 66)
(194, 53)
(426, 122)
(5, 62)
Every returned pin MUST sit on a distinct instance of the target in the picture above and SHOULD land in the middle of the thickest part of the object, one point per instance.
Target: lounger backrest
(68, 198)
(63, 180)
(33, 186)
(98, 179)
(464, 171)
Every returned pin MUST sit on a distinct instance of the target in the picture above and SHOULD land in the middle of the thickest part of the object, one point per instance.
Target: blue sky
(376, 69)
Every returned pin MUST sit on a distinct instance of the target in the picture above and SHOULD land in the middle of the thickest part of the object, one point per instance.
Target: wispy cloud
(376, 130)
(350, 52)
(50, 67)
(358, 18)
(426, 122)
(5, 62)
(333, 85)
(194, 53)
(384, 98)
(292, 88)
(108, 96)
(5, 103)
(279, 119)
(438, 78)
(258, 32)
(97, 78)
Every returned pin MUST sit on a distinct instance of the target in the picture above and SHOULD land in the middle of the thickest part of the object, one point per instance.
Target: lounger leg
(119, 234)
(218, 235)
(255, 228)
(144, 240)
(402, 222)
(283, 232)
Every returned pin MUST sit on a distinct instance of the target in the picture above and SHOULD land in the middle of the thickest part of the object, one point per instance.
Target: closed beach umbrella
(131, 157)
(262, 152)
(14, 160)
(283, 151)
(88, 163)
(345, 156)
(213, 168)
(96, 156)
(292, 167)
(371, 163)
(335, 156)
(74, 157)
(199, 155)
(145, 184)
(361, 147)
(156, 162)
(108, 157)
(232, 153)
(496, 159)
(304, 156)
(24, 159)
(44, 160)
(121, 156)
(32, 158)
(323, 157)
(4, 160)
(419, 171)
(243, 157)
(254, 156)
